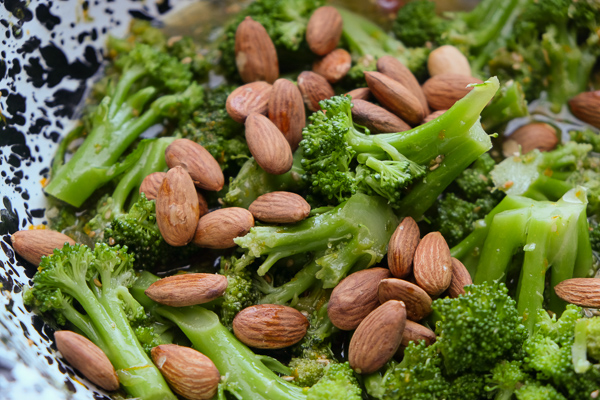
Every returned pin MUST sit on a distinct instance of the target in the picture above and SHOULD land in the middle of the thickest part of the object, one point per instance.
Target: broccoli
(586, 136)
(506, 377)
(508, 104)
(338, 382)
(538, 391)
(240, 292)
(417, 23)
(89, 289)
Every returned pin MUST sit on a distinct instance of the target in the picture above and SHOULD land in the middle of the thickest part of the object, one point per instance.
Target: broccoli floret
(240, 292)
(469, 386)
(538, 391)
(508, 104)
(338, 382)
(417, 23)
(586, 136)
(593, 337)
(506, 377)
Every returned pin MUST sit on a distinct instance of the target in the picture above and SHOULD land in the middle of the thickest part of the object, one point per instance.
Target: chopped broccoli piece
(417, 23)
(240, 292)
(338, 382)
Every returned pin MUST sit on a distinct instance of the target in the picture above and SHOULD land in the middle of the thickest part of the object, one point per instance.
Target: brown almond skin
(414, 332)
(583, 292)
(33, 244)
(255, 54)
(360, 94)
(443, 90)
(247, 99)
(87, 358)
(433, 116)
(217, 229)
(314, 88)
(198, 162)
(416, 300)
(460, 279)
(432, 265)
(334, 66)
(402, 246)
(377, 119)
(392, 67)
(151, 184)
(586, 107)
(324, 30)
(267, 145)
(280, 208)
(187, 289)
(270, 326)
(395, 97)
(448, 59)
(377, 338)
(355, 297)
(286, 111)
(536, 135)
(177, 207)
(189, 373)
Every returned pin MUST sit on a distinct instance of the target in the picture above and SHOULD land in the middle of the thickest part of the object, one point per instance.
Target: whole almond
(586, 107)
(187, 289)
(270, 326)
(414, 332)
(536, 135)
(177, 207)
(433, 115)
(286, 111)
(355, 297)
(324, 30)
(189, 373)
(395, 97)
(416, 300)
(433, 264)
(402, 246)
(377, 337)
(217, 229)
(87, 358)
(584, 292)
(460, 279)
(197, 161)
(267, 145)
(448, 59)
(314, 88)
(395, 69)
(443, 90)
(33, 244)
(151, 184)
(377, 119)
(280, 208)
(334, 66)
(247, 99)
(360, 94)
(255, 54)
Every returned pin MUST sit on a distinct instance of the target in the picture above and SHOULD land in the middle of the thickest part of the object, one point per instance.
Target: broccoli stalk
(508, 104)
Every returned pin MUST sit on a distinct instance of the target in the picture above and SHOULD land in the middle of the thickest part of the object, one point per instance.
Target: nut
(255, 54)
(536, 135)
(584, 292)
(151, 184)
(267, 145)
(355, 297)
(314, 88)
(33, 244)
(377, 119)
(87, 358)
(402, 246)
(286, 111)
(334, 66)
(280, 208)
(460, 279)
(197, 161)
(586, 107)
(448, 59)
(433, 116)
(433, 264)
(217, 229)
(443, 90)
(247, 99)
(270, 326)
(360, 94)
(187, 289)
(324, 30)
(392, 67)
(414, 332)
(416, 300)
(189, 373)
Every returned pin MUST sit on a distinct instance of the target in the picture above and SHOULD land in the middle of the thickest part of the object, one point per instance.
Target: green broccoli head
(240, 292)
(418, 23)
(338, 382)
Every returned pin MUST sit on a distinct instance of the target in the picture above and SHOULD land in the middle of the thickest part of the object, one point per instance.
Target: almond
(583, 292)
(334, 66)
(33, 244)
(177, 207)
(267, 145)
(433, 115)
(392, 67)
(395, 97)
(286, 111)
(151, 184)
(255, 54)
(314, 88)
(402, 246)
(536, 135)
(460, 279)
(416, 300)
(187, 289)
(217, 229)
(189, 373)
(448, 59)
(586, 107)
(324, 30)
(197, 161)
(355, 297)
(87, 358)
(270, 326)
(280, 208)
(376, 119)
(360, 94)
(247, 99)
(377, 337)
(433, 264)
(443, 90)
(414, 332)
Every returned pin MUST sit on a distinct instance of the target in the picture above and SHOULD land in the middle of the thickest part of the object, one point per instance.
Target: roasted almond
(355, 297)
(33, 244)
(416, 300)
(443, 90)
(395, 97)
(460, 279)
(314, 88)
(255, 54)
(414, 332)
(586, 107)
(286, 111)
(87, 358)
(270, 326)
(432, 265)
(433, 115)
(377, 337)
(267, 145)
(187, 289)
(583, 292)
(536, 135)
(448, 59)
(280, 208)
(377, 119)
(217, 229)
(402, 246)
(360, 94)
(392, 67)
(324, 30)
(189, 373)
(334, 66)
(151, 184)
(247, 99)
(177, 207)
(197, 161)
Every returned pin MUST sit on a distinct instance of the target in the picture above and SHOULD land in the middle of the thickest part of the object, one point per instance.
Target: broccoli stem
(301, 282)
(508, 104)
(59, 157)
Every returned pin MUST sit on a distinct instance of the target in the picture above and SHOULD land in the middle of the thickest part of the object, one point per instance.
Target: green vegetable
(337, 383)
